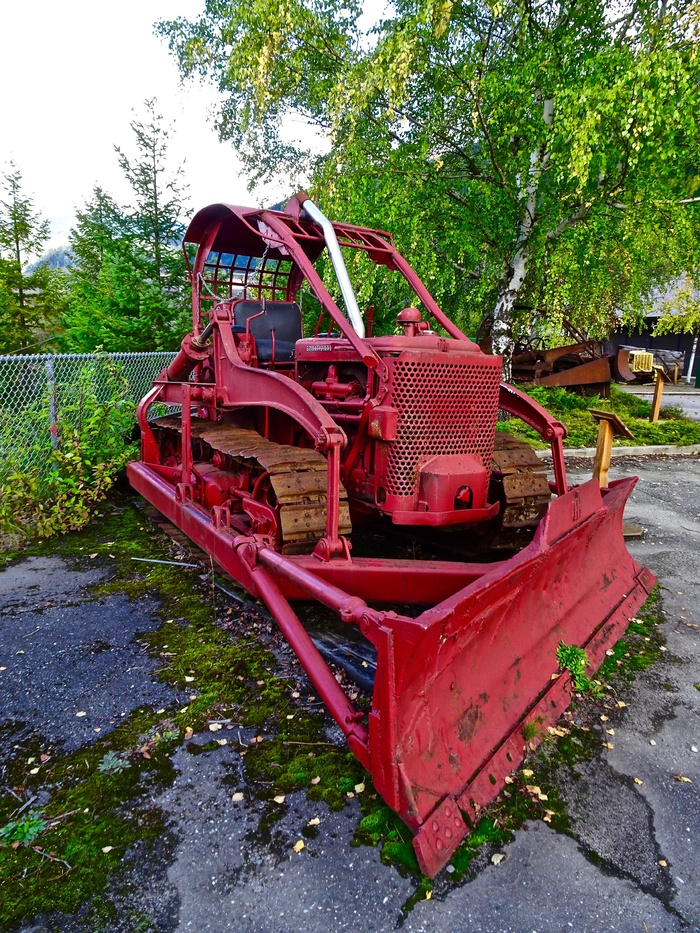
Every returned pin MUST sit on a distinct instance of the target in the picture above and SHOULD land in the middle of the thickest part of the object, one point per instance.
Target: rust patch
(468, 721)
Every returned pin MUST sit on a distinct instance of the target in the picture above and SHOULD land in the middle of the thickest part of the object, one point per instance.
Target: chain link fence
(36, 391)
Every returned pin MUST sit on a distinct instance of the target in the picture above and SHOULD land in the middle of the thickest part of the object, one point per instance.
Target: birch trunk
(515, 273)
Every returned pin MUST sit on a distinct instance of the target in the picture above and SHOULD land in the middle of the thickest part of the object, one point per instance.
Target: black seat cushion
(284, 317)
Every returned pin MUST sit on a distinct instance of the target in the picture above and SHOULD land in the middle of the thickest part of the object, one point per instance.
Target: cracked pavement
(221, 873)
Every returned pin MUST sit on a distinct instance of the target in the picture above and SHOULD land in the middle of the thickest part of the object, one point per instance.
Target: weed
(113, 763)
(575, 660)
(25, 830)
(530, 731)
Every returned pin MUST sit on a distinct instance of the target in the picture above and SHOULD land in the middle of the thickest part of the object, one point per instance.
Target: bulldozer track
(298, 477)
(523, 489)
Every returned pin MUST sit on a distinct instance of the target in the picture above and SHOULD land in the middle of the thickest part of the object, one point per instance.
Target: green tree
(128, 286)
(30, 301)
(521, 152)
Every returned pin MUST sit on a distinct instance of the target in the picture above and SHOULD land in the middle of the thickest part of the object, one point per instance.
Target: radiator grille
(444, 408)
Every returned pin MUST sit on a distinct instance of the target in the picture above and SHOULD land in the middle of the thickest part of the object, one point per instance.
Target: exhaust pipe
(341, 272)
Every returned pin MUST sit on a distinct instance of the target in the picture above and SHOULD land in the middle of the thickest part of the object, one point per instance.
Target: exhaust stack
(341, 272)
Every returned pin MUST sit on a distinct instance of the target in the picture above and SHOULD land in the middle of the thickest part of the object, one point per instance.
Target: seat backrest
(284, 317)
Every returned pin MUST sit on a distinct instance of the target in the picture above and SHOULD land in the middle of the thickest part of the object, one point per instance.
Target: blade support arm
(528, 410)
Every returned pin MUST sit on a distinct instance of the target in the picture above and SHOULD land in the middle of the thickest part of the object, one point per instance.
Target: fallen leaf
(428, 894)
(81, 714)
(107, 849)
(214, 726)
(238, 796)
(621, 704)
(508, 780)
(188, 680)
(663, 863)
(604, 718)
(34, 771)
(92, 556)
(298, 846)
(532, 789)
(683, 779)
(560, 732)
(608, 745)
(316, 780)
(290, 716)
(542, 797)
(610, 731)
(526, 772)
(30, 761)
(555, 677)
(359, 788)
(189, 732)
(548, 814)
(498, 858)
(44, 757)
(258, 738)
(638, 781)
(144, 751)
(222, 741)
(260, 683)
(295, 694)
(314, 821)
(280, 798)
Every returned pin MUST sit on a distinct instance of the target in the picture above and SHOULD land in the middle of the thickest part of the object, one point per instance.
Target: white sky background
(72, 73)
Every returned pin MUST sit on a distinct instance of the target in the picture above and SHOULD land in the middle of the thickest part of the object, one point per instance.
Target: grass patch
(672, 428)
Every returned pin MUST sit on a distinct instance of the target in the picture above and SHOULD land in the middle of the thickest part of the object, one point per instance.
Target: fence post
(53, 407)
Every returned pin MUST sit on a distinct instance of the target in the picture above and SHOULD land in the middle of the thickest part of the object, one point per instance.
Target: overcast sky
(72, 72)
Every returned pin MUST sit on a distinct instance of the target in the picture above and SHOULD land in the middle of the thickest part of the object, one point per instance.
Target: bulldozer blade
(450, 704)
(455, 686)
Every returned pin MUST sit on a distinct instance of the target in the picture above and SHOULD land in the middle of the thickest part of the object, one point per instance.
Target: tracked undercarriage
(253, 477)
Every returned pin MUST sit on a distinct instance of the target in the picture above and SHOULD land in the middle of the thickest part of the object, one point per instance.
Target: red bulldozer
(282, 454)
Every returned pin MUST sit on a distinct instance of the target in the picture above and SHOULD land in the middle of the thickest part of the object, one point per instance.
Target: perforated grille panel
(444, 408)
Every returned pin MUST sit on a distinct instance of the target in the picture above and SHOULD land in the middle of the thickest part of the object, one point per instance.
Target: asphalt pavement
(219, 873)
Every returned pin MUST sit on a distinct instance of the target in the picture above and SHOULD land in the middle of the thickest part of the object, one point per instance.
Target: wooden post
(660, 378)
(608, 425)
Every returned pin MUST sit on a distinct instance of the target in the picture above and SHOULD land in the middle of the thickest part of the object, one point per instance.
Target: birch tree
(526, 130)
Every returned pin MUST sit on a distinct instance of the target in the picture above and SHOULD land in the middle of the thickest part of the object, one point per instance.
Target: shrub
(95, 421)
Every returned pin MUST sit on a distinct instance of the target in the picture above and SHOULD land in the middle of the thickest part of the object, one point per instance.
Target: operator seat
(282, 317)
